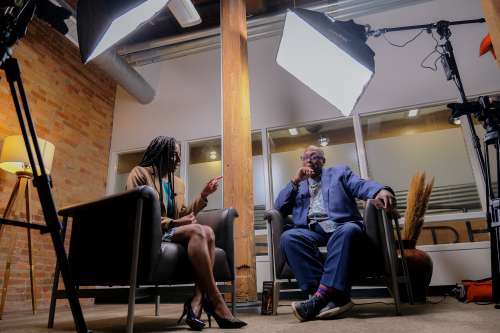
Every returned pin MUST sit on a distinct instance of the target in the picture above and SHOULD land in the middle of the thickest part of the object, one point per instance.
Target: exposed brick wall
(72, 107)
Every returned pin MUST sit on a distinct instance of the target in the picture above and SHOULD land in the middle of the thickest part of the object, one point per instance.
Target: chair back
(375, 255)
(102, 238)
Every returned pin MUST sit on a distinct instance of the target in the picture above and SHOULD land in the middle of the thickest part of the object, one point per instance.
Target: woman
(159, 163)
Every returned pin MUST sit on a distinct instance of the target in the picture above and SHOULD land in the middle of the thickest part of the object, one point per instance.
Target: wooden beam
(237, 143)
(491, 10)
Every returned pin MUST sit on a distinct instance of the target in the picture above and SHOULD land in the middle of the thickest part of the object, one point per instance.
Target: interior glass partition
(125, 163)
(288, 144)
(205, 163)
(399, 144)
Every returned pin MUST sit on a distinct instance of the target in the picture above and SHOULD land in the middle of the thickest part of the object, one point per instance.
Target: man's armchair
(379, 265)
(116, 242)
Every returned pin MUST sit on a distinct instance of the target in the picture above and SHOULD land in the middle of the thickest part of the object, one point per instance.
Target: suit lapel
(325, 186)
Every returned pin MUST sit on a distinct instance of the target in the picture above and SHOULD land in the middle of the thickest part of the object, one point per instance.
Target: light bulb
(213, 155)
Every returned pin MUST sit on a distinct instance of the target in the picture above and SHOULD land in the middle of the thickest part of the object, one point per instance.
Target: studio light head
(15, 16)
(329, 56)
(102, 23)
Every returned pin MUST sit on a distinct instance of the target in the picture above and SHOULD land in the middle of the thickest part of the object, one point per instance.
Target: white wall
(188, 104)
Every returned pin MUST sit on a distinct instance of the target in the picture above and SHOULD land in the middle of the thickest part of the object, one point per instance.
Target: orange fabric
(478, 291)
(487, 46)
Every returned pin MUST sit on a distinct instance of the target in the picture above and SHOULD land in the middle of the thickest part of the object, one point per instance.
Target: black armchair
(379, 265)
(116, 241)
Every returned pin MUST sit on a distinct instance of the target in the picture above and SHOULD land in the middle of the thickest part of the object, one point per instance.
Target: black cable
(435, 50)
(406, 42)
(436, 302)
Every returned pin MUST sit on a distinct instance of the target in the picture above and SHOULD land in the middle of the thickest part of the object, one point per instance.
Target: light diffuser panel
(326, 64)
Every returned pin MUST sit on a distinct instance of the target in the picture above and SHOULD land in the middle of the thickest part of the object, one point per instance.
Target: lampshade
(102, 23)
(14, 155)
(329, 56)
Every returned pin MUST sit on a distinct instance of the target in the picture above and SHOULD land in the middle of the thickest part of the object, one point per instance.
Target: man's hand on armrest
(387, 198)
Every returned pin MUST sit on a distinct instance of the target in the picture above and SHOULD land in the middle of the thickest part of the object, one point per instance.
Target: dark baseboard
(284, 296)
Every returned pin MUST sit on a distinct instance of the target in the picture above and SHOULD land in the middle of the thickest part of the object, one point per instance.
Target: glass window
(454, 232)
(205, 163)
(287, 145)
(399, 144)
(126, 162)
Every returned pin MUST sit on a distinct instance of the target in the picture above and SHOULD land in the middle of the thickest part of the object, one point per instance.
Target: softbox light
(102, 23)
(330, 57)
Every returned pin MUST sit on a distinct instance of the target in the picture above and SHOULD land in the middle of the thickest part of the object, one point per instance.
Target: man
(322, 203)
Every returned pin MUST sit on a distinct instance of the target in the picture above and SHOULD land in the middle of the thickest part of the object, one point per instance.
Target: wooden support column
(491, 10)
(237, 142)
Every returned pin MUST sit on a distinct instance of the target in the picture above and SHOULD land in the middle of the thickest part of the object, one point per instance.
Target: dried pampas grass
(418, 201)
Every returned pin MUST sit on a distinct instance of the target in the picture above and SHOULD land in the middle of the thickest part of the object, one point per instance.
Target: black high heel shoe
(222, 322)
(192, 320)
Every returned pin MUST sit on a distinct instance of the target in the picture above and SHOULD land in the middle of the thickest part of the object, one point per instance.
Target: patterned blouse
(166, 235)
(317, 213)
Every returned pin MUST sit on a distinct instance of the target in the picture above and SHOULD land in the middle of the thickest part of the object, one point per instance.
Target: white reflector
(331, 60)
(127, 23)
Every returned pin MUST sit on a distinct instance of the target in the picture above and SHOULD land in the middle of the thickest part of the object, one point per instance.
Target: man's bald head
(319, 151)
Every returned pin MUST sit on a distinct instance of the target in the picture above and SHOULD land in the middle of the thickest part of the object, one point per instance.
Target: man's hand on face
(388, 199)
(303, 174)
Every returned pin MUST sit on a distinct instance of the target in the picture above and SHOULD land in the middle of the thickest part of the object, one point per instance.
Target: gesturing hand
(303, 174)
(185, 220)
(210, 187)
(388, 199)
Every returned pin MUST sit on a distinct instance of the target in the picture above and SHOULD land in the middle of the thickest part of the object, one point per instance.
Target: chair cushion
(173, 266)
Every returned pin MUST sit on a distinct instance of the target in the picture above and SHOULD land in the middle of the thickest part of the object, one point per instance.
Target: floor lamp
(14, 159)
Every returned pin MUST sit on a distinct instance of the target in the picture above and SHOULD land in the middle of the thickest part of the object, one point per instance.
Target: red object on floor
(479, 291)
(486, 46)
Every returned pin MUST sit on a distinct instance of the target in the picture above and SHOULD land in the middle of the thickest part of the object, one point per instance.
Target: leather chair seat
(173, 266)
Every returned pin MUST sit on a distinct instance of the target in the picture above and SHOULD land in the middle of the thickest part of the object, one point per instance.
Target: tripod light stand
(14, 159)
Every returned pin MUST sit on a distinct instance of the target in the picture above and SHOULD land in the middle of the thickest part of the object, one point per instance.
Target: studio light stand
(489, 113)
(13, 28)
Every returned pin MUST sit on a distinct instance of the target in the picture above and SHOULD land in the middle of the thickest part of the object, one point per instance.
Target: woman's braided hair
(153, 156)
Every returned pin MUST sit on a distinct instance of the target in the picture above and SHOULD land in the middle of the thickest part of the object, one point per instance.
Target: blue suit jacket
(340, 187)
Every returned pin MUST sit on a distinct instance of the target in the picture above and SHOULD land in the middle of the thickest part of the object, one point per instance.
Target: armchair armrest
(222, 222)
(276, 221)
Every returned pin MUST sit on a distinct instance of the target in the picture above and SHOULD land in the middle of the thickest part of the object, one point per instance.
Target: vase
(420, 271)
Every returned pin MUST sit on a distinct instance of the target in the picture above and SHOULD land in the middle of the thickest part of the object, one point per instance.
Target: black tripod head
(16, 14)
(484, 109)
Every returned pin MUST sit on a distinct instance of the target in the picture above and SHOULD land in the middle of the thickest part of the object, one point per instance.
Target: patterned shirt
(317, 213)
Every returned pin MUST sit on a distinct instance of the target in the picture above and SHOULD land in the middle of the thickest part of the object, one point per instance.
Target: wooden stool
(22, 189)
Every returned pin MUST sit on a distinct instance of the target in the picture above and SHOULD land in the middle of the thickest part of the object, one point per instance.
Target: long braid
(153, 156)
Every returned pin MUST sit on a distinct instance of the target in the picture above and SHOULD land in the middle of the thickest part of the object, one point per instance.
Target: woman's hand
(185, 220)
(210, 187)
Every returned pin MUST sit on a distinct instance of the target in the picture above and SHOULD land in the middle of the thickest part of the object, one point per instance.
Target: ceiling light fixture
(184, 12)
(323, 140)
(413, 113)
(213, 155)
(293, 131)
(329, 56)
(454, 121)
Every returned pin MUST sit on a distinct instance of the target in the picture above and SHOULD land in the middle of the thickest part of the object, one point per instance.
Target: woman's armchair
(116, 241)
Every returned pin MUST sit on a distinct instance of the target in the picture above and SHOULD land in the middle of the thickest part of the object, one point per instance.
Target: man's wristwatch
(384, 188)
(295, 186)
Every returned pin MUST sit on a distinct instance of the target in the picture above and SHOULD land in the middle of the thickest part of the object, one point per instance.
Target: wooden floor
(447, 316)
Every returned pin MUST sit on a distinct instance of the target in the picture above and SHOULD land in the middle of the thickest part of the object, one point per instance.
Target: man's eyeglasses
(312, 157)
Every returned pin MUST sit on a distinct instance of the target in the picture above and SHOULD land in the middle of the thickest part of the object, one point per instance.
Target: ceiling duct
(259, 27)
(113, 65)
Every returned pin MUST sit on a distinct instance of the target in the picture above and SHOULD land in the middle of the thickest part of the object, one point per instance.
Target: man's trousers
(300, 250)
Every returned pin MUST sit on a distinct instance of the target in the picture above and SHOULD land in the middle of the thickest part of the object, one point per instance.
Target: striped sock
(324, 292)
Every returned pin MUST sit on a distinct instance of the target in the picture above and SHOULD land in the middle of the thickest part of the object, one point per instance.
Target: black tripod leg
(43, 185)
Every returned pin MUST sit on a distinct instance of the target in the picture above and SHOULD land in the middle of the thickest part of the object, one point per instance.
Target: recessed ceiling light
(293, 131)
(412, 113)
